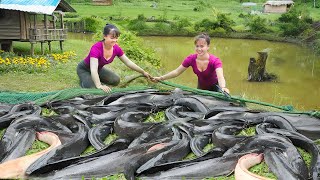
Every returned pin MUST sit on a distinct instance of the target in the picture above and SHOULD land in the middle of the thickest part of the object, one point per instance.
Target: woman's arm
(133, 66)
(95, 75)
(171, 74)
(221, 80)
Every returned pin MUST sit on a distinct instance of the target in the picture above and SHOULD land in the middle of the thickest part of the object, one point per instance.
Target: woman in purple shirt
(91, 71)
(206, 66)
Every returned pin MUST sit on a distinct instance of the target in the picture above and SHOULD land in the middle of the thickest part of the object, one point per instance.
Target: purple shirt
(208, 77)
(96, 51)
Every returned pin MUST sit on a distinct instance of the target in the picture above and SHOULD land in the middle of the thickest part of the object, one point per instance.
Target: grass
(173, 9)
(61, 76)
(37, 146)
(2, 132)
(157, 117)
(251, 131)
(110, 138)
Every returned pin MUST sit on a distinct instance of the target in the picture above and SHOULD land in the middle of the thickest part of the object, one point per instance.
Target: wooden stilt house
(32, 21)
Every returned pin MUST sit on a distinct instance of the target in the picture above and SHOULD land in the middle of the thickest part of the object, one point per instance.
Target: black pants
(106, 76)
(212, 88)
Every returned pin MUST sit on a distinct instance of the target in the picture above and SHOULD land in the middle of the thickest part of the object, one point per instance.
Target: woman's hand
(157, 79)
(105, 88)
(147, 75)
(225, 90)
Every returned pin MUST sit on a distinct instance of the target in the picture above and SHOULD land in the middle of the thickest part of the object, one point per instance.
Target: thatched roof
(278, 3)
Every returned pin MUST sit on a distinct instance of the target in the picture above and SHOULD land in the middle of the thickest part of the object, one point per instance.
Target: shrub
(205, 25)
(138, 24)
(92, 24)
(71, 15)
(294, 22)
(133, 47)
(180, 25)
(257, 25)
(225, 22)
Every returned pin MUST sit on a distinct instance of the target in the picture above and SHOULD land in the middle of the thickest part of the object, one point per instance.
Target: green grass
(2, 132)
(156, 117)
(110, 138)
(251, 131)
(58, 77)
(173, 9)
(37, 146)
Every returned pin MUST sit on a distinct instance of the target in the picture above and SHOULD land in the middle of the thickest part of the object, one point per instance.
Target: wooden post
(61, 46)
(49, 44)
(42, 50)
(32, 49)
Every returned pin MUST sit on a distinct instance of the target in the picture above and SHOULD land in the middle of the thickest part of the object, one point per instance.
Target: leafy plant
(257, 25)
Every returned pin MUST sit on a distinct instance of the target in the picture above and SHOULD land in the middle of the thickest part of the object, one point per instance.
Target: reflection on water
(298, 68)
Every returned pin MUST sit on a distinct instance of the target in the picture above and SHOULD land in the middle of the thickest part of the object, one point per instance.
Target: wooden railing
(38, 35)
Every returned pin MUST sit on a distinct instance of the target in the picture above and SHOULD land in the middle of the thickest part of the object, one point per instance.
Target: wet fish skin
(16, 168)
(213, 153)
(17, 111)
(277, 164)
(117, 145)
(225, 136)
(97, 134)
(77, 143)
(193, 104)
(132, 165)
(280, 122)
(96, 166)
(305, 143)
(130, 125)
(198, 170)
(179, 150)
(24, 140)
(172, 112)
(197, 144)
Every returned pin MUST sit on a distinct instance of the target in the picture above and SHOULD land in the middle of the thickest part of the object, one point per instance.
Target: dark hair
(204, 36)
(111, 29)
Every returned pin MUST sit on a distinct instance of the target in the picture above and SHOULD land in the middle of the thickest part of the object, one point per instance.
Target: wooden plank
(23, 33)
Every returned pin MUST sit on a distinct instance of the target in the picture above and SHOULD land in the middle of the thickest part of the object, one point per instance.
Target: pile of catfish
(154, 150)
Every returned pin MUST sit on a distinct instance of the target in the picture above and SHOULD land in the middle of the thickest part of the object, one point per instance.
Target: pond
(297, 68)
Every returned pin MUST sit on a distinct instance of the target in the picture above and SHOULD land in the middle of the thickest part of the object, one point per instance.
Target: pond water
(297, 68)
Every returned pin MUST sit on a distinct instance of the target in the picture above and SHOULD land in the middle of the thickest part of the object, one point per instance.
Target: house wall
(15, 25)
(275, 9)
(9, 25)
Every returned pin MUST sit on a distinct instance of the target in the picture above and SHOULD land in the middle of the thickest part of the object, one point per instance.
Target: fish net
(39, 98)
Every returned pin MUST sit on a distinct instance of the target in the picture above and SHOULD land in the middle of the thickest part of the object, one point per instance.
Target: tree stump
(257, 68)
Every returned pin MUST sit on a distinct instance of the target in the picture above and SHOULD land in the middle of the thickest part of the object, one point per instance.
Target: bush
(161, 28)
(294, 22)
(222, 21)
(180, 25)
(135, 50)
(138, 24)
(92, 24)
(225, 22)
(205, 25)
(257, 25)
(71, 15)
